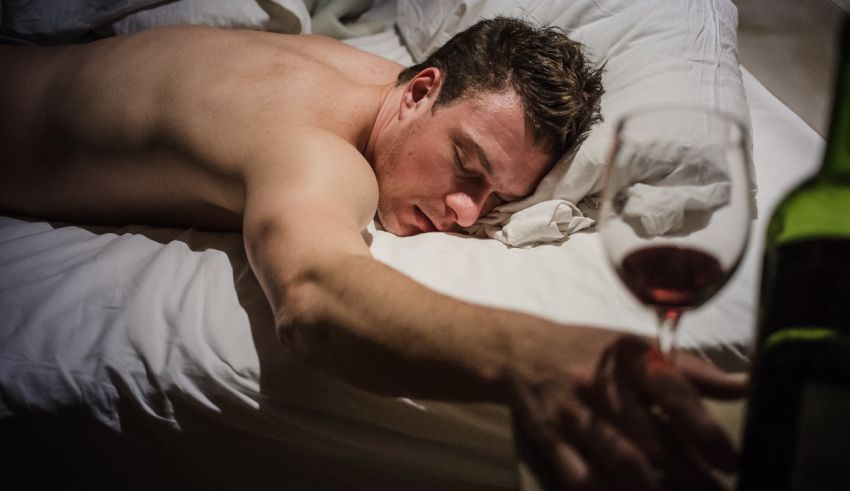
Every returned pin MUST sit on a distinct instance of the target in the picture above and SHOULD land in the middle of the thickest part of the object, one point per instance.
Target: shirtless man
(299, 141)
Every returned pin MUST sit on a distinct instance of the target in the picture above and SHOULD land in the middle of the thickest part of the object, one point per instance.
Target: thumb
(711, 381)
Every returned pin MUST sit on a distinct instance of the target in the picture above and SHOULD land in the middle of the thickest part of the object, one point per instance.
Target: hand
(628, 421)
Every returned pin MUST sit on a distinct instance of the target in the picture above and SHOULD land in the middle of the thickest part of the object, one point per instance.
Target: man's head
(481, 121)
(559, 89)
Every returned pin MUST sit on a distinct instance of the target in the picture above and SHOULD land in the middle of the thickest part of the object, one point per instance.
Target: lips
(422, 221)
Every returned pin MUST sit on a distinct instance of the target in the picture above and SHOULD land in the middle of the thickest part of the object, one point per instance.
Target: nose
(466, 209)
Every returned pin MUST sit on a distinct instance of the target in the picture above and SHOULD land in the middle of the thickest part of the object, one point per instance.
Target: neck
(387, 113)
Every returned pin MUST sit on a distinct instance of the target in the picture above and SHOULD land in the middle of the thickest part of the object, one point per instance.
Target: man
(300, 141)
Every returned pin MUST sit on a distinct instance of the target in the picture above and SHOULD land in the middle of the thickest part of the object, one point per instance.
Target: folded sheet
(547, 221)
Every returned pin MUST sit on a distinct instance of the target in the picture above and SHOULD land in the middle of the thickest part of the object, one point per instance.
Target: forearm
(380, 330)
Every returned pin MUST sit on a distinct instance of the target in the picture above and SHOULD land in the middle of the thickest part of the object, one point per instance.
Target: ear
(421, 92)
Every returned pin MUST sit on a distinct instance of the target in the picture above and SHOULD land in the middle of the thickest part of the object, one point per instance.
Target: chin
(402, 230)
(390, 223)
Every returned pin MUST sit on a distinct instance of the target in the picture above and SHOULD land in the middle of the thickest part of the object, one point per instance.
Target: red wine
(671, 278)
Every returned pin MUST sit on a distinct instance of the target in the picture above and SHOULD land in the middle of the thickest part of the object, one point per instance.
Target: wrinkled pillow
(52, 22)
(283, 16)
(329, 18)
(654, 51)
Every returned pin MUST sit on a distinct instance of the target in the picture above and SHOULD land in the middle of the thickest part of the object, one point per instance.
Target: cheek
(398, 180)
(412, 170)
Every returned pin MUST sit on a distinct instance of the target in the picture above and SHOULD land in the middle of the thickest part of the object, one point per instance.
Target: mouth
(422, 221)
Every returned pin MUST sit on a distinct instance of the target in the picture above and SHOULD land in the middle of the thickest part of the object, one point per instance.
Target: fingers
(624, 465)
(636, 380)
(640, 424)
(555, 463)
(676, 397)
(573, 471)
(711, 381)
(679, 469)
(562, 465)
(585, 451)
(615, 394)
(600, 431)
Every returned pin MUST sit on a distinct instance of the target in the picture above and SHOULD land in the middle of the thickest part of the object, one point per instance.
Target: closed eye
(461, 170)
(504, 198)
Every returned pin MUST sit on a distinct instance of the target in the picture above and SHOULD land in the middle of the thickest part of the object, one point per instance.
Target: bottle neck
(836, 162)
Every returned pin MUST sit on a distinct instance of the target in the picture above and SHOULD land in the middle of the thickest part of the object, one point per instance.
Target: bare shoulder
(310, 174)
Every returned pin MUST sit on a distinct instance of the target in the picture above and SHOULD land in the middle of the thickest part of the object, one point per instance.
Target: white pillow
(328, 18)
(655, 51)
(285, 16)
(53, 22)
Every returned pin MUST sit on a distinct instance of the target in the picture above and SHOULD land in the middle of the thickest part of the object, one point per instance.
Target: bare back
(162, 126)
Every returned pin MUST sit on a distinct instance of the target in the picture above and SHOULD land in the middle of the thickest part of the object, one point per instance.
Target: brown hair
(559, 89)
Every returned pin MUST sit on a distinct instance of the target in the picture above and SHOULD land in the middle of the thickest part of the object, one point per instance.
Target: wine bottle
(797, 429)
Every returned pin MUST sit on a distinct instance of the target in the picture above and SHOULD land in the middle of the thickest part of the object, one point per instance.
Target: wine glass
(676, 207)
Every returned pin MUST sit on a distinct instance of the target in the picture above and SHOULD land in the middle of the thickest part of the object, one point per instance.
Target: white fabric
(386, 44)
(328, 19)
(655, 51)
(662, 209)
(49, 21)
(59, 22)
(547, 221)
(285, 16)
(663, 186)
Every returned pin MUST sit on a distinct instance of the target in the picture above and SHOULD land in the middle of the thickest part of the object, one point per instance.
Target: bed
(145, 357)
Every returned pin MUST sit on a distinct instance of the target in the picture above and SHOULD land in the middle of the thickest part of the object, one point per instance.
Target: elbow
(291, 334)
(299, 318)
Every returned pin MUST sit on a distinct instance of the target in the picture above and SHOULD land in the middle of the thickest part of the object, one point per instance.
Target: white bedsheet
(159, 330)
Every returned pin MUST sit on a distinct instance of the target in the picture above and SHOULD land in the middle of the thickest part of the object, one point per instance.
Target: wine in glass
(676, 207)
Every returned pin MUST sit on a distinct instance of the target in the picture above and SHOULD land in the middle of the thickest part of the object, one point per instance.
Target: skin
(299, 141)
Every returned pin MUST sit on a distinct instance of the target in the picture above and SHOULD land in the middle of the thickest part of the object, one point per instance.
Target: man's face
(441, 170)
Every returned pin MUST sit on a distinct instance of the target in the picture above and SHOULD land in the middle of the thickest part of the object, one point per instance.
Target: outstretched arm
(583, 395)
(339, 308)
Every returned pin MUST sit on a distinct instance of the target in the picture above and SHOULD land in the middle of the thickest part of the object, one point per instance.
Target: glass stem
(668, 321)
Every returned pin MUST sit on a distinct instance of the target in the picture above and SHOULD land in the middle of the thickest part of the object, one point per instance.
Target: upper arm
(308, 200)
